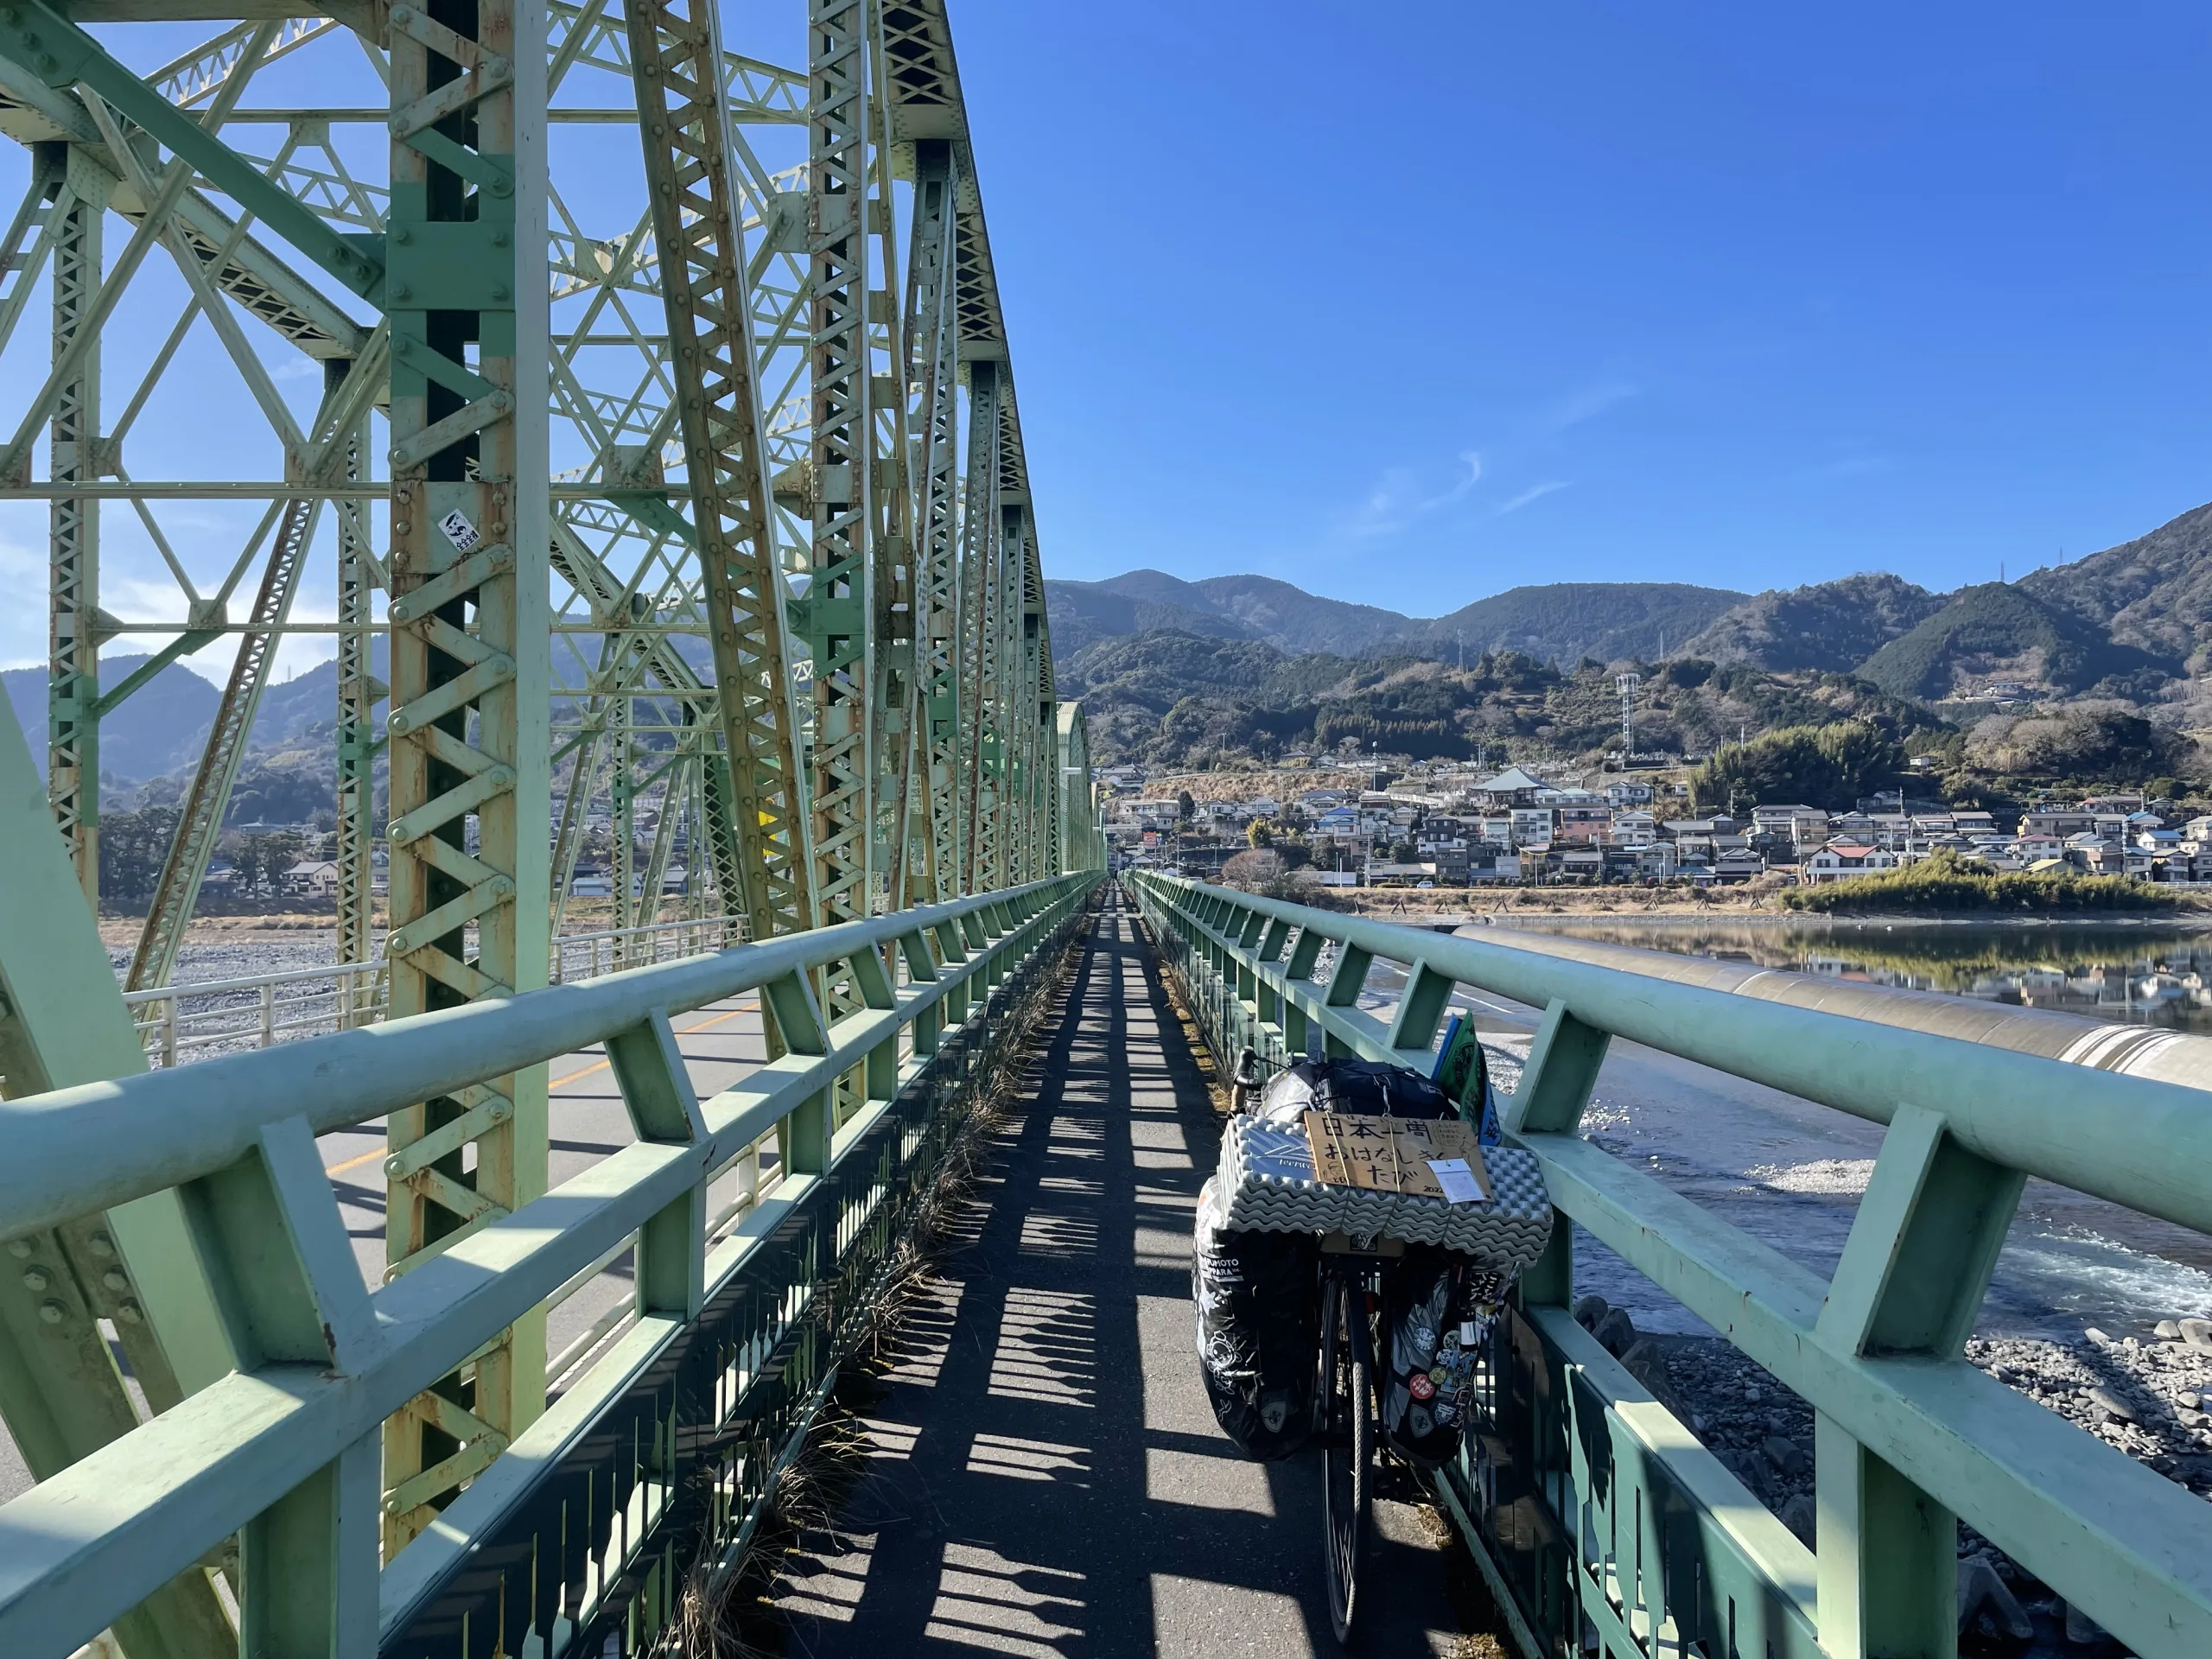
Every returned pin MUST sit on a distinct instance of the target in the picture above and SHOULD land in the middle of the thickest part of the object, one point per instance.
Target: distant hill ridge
(1567, 620)
(2114, 622)
(2118, 624)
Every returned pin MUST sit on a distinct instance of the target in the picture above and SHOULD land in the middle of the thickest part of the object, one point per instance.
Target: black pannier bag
(1362, 1088)
(1259, 1330)
(1438, 1310)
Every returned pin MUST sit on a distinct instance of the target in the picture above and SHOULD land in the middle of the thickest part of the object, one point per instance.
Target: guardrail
(1596, 1515)
(577, 1535)
(183, 1021)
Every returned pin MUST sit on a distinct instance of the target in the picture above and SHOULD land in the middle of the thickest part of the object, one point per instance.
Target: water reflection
(2135, 975)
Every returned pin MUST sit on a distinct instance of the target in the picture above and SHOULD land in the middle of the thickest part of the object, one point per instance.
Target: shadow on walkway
(1045, 1476)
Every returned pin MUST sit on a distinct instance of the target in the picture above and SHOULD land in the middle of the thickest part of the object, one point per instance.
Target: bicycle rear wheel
(1348, 1447)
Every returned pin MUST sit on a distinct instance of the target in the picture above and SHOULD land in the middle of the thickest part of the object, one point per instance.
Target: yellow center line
(682, 1031)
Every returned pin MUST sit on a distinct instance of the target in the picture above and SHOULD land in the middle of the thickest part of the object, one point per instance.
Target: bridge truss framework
(783, 581)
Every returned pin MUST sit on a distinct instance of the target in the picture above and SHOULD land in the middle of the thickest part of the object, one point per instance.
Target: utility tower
(1626, 685)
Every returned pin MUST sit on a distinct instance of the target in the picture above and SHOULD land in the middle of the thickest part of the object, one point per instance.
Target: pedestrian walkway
(1044, 1475)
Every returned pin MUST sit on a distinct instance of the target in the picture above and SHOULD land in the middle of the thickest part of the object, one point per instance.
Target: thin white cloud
(1472, 461)
(1401, 495)
(1587, 404)
(1527, 496)
(1388, 505)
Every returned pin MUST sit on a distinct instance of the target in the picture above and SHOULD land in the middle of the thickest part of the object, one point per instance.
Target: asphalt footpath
(1044, 1475)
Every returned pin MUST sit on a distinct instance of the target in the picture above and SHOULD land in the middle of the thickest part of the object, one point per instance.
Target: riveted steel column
(979, 557)
(72, 739)
(357, 696)
(839, 599)
(470, 676)
(621, 799)
(936, 553)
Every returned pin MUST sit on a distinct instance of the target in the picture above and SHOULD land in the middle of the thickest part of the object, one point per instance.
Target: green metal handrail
(1908, 1435)
(285, 1451)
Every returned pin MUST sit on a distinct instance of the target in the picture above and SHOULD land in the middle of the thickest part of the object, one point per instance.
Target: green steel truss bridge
(662, 444)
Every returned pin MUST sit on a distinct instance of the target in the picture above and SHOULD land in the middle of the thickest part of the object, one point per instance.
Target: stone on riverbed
(1980, 1591)
(2081, 1630)
(1616, 1332)
(1786, 1455)
(2116, 1410)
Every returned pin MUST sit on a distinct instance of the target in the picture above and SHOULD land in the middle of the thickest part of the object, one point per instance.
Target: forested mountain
(1565, 620)
(1251, 665)
(1996, 631)
(151, 740)
(146, 732)
(2154, 592)
(1832, 625)
(1179, 699)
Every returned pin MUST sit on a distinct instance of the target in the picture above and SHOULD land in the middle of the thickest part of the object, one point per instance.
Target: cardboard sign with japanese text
(1395, 1154)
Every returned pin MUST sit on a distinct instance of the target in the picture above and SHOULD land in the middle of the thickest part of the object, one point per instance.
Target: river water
(1791, 1172)
(2147, 974)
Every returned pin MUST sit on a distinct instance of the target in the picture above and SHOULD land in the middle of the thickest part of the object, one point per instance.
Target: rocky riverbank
(2144, 1396)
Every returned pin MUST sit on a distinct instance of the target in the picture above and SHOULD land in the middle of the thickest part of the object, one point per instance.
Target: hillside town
(1453, 828)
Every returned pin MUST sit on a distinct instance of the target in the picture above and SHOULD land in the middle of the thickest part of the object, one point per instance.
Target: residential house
(1634, 829)
(315, 877)
(1580, 818)
(1582, 863)
(2059, 821)
(1840, 860)
(1797, 824)
(1510, 788)
(1532, 825)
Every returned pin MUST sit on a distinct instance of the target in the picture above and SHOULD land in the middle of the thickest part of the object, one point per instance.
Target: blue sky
(1412, 303)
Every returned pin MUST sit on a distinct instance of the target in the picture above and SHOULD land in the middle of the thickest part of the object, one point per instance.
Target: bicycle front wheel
(1348, 1448)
